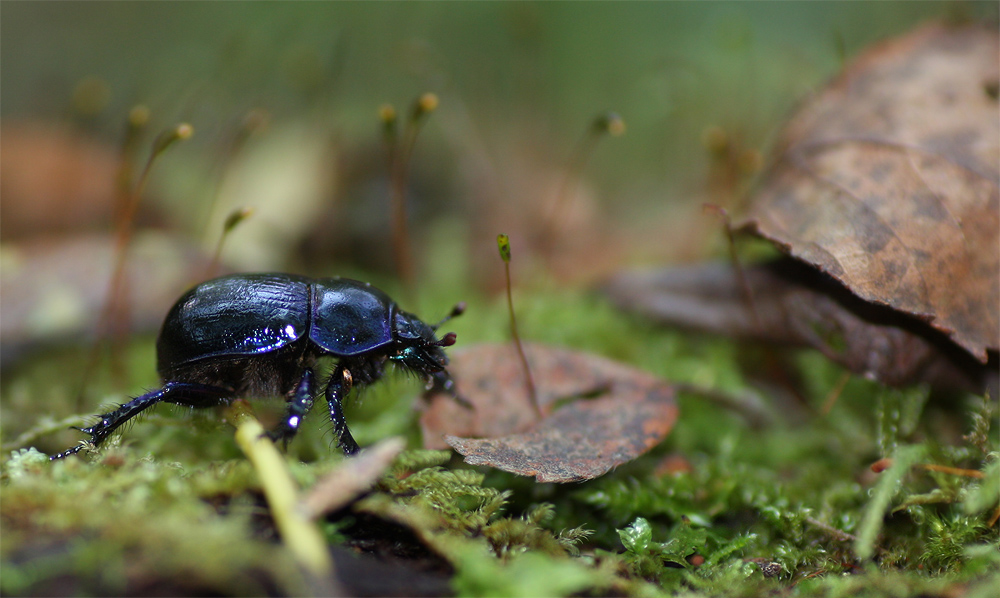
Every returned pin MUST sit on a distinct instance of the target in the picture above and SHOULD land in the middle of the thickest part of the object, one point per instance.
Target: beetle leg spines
(76, 449)
(181, 393)
(299, 404)
(336, 390)
(111, 421)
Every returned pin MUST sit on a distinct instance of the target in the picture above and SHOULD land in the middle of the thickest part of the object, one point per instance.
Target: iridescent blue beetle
(260, 335)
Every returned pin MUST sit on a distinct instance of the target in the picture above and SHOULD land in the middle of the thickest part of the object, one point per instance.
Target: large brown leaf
(888, 181)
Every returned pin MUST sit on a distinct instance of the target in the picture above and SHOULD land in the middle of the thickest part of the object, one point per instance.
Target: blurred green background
(703, 88)
(518, 84)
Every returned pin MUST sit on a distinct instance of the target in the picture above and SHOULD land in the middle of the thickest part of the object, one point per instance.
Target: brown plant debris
(794, 304)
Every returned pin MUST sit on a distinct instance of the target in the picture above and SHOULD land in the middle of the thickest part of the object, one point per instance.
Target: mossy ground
(724, 507)
(764, 493)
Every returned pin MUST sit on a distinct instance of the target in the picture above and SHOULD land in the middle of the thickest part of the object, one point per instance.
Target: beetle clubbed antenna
(456, 311)
(503, 244)
(447, 340)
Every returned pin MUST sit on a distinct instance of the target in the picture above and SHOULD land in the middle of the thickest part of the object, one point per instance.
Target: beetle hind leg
(181, 393)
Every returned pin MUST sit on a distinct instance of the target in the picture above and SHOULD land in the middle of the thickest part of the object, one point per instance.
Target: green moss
(792, 495)
(121, 527)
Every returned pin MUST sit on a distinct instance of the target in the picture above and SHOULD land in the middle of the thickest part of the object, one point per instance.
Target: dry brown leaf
(597, 413)
(795, 304)
(888, 181)
(351, 479)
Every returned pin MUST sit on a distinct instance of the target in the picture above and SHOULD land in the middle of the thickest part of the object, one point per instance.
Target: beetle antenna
(446, 340)
(456, 311)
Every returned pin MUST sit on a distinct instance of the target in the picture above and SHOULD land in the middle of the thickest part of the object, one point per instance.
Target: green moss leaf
(987, 493)
(636, 537)
(881, 497)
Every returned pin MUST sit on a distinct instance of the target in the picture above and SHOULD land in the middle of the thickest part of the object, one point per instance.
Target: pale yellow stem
(300, 535)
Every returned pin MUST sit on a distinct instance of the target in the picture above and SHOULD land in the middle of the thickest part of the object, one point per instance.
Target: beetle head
(418, 348)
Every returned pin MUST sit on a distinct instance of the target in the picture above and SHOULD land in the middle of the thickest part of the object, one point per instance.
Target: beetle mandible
(261, 335)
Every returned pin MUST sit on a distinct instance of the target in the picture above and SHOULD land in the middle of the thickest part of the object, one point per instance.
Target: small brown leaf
(888, 181)
(614, 414)
(351, 479)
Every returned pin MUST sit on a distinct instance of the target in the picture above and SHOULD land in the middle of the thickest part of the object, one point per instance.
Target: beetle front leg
(300, 403)
(443, 382)
(336, 390)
